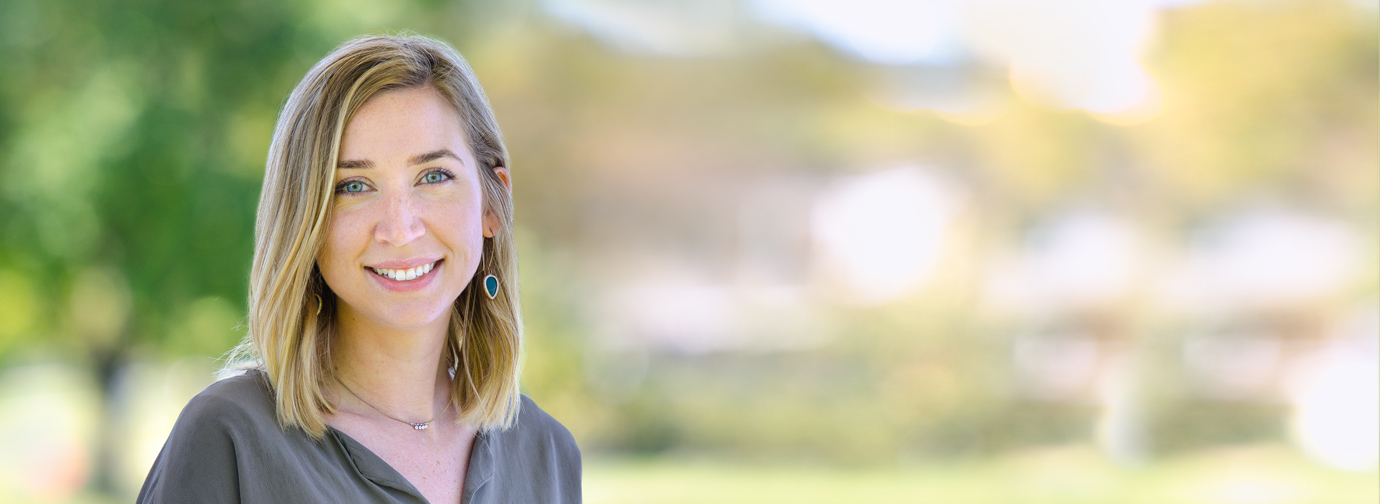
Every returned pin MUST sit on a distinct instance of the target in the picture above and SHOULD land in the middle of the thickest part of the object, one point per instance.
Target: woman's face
(407, 228)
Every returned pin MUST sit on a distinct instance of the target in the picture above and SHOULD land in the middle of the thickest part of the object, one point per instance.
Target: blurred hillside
(846, 234)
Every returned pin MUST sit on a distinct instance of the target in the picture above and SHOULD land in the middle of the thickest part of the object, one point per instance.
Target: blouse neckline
(478, 472)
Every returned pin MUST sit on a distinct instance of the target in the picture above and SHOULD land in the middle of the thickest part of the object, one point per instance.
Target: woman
(384, 326)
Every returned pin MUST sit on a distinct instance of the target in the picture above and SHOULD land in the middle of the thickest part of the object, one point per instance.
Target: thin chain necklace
(415, 425)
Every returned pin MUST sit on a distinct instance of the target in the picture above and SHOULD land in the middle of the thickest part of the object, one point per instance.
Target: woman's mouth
(405, 275)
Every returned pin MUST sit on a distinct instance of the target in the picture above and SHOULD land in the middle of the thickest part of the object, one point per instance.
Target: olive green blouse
(227, 447)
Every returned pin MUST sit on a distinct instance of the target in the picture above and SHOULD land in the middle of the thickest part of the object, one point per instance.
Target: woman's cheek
(460, 228)
(344, 240)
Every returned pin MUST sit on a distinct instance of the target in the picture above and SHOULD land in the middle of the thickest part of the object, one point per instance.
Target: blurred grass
(1256, 474)
(1078, 474)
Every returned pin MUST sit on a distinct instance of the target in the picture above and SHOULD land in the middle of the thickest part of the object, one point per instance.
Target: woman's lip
(415, 284)
(404, 263)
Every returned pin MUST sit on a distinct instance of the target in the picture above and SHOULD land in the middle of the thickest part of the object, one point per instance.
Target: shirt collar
(478, 472)
(481, 465)
(371, 466)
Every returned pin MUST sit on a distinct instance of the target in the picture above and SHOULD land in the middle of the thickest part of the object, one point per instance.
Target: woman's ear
(490, 220)
(490, 224)
(502, 172)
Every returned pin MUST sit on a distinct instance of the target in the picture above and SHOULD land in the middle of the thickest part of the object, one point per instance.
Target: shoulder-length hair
(287, 338)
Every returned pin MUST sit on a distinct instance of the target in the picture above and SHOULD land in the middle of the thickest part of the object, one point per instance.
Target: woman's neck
(399, 371)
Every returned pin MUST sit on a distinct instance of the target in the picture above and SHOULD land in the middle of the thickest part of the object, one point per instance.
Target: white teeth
(404, 275)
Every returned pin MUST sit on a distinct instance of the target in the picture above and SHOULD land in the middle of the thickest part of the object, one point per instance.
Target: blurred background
(949, 251)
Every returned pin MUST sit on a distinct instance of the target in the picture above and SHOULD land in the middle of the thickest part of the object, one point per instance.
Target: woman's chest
(435, 465)
(440, 477)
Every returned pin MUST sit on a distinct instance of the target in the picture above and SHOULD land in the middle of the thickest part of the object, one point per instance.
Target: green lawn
(1255, 475)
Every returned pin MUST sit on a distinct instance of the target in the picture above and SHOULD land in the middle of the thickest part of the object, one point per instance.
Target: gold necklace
(415, 425)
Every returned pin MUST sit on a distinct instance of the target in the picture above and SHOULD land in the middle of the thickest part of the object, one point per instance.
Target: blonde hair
(287, 338)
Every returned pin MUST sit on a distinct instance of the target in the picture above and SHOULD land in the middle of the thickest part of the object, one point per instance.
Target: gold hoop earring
(318, 303)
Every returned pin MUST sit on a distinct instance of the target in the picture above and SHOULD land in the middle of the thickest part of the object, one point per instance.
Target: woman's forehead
(402, 124)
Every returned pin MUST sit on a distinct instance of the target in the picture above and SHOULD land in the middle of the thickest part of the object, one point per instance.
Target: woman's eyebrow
(363, 164)
(355, 164)
(432, 156)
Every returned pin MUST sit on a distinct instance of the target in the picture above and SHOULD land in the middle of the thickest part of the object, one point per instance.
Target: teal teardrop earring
(491, 286)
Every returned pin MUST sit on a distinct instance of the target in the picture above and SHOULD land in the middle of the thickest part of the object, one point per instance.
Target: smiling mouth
(405, 275)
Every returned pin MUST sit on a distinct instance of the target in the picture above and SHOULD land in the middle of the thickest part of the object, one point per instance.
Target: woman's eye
(435, 177)
(353, 186)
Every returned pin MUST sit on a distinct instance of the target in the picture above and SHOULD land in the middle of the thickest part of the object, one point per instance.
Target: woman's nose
(400, 223)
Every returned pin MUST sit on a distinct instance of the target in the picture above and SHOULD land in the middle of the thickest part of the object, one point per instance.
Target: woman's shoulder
(535, 433)
(535, 460)
(228, 412)
(241, 401)
(198, 462)
(535, 423)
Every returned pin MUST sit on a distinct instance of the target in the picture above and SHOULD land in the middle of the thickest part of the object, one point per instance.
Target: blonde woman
(384, 326)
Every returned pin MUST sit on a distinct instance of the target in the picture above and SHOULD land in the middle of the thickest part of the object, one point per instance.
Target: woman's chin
(408, 316)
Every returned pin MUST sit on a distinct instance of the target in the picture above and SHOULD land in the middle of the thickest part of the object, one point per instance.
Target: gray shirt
(227, 447)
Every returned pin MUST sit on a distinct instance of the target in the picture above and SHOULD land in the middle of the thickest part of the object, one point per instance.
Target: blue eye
(351, 187)
(436, 177)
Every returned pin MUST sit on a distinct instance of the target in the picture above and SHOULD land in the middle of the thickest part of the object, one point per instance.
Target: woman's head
(386, 154)
(407, 225)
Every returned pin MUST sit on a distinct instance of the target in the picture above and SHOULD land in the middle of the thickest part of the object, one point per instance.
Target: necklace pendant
(420, 426)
